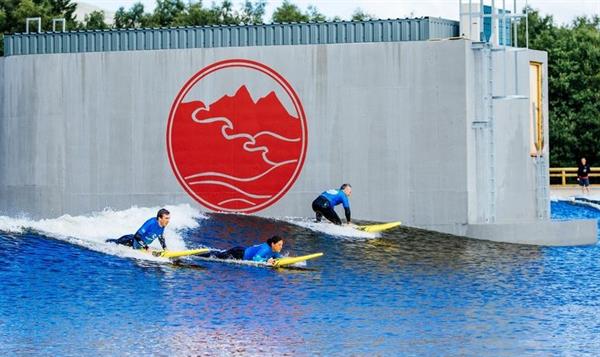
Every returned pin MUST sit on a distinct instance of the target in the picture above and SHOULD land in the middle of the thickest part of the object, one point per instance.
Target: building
(431, 125)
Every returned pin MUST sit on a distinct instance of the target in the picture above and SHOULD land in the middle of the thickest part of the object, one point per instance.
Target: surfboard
(282, 262)
(177, 253)
(378, 227)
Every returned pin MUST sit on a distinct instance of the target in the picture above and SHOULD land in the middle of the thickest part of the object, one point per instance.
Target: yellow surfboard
(177, 253)
(282, 262)
(378, 227)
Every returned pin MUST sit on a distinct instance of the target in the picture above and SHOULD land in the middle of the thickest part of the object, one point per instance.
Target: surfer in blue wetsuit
(325, 203)
(152, 229)
(266, 252)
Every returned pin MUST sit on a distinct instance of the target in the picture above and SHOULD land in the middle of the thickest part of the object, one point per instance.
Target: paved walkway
(567, 191)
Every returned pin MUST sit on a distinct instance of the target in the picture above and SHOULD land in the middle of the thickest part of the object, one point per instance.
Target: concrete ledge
(554, 233)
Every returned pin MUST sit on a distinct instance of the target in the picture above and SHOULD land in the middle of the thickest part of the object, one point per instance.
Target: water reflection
(408, 292)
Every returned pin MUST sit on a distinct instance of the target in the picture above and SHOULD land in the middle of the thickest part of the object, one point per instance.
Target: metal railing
(332, 32)
(568, 175)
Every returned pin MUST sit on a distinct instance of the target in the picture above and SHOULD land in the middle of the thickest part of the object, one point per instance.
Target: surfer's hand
(271, 261)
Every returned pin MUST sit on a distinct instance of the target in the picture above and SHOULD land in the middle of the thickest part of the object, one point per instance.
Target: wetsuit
(583, 173)
(258, 253)
(144, 236)
(325, 203)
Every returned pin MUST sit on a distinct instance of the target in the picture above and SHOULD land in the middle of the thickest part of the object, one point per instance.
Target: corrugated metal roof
(230, 36)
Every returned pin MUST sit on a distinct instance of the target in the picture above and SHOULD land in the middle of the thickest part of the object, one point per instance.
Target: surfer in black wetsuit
(152, 229)
(325, 203)
(266, 252)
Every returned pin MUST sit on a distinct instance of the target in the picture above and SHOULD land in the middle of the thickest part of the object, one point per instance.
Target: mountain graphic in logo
(236, 153)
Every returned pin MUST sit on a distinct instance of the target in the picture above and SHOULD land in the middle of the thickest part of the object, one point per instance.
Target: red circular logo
(237, 136)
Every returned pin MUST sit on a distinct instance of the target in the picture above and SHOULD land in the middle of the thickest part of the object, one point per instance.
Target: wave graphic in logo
(237, 153)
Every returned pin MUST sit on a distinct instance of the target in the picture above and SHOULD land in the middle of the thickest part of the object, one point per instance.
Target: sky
(563, 11)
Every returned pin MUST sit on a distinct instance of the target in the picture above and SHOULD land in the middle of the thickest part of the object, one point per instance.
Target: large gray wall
(80, 132)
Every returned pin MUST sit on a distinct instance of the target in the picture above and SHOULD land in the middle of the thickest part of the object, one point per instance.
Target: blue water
(410, 292)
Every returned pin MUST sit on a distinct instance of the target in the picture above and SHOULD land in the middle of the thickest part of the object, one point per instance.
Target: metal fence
(567, 176)
(230, 36)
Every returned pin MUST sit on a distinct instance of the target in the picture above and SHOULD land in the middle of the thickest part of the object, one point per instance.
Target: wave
(344, 231)
(91, 231)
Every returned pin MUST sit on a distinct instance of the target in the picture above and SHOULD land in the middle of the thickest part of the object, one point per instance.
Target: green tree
(288, 12)
(225, 13)
(573, 84)
(95, 21)
(132, 18)
(2, 18)
(252, 13)
(166, 12)
(360, 15)
(196, 15)
(314, 15)
(28, 8)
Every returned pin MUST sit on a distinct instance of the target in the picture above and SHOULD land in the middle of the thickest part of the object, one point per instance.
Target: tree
(573, 84)
(2, 18)
(196, 15)
(360, 15)
(28, 8)
(225, 13)
(166, 12)
(132, 18)
(252, 14)
(95, 21)
(288, 12)
(314, 15)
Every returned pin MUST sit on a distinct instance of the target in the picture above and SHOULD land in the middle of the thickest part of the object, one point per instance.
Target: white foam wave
(344, 231)
(92, 230)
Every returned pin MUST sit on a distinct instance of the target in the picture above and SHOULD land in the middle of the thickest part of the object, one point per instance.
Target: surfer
(325, 203)
(266, 252)
(153, 228)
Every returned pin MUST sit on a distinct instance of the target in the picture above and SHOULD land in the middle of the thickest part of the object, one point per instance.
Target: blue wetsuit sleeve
(163, 244)
(345, 201)
(346, 205)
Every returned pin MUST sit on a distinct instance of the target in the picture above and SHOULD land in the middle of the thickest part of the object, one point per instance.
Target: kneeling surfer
(152, 229)
(266, 252)
(325, 203)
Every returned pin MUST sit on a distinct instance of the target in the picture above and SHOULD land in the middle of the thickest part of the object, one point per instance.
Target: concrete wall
(81, 132)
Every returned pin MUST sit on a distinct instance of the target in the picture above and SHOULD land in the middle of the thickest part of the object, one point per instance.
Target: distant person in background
(583, 173)
(152, 229)
(266, 252)
(325, 203)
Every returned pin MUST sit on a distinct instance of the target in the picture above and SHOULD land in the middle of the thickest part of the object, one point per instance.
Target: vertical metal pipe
(494, 28)
(470, 21)
(526, 25)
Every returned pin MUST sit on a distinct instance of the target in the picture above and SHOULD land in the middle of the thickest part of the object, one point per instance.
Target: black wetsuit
(323, 207)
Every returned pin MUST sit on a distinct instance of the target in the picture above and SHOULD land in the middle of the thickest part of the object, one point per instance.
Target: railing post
(36, 19)
(564, 177)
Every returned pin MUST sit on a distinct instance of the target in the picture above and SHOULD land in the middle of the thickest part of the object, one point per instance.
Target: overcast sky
(563, 11)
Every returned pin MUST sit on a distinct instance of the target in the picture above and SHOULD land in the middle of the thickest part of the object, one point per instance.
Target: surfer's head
(163, 217)
(276, 243)
(347, 189)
